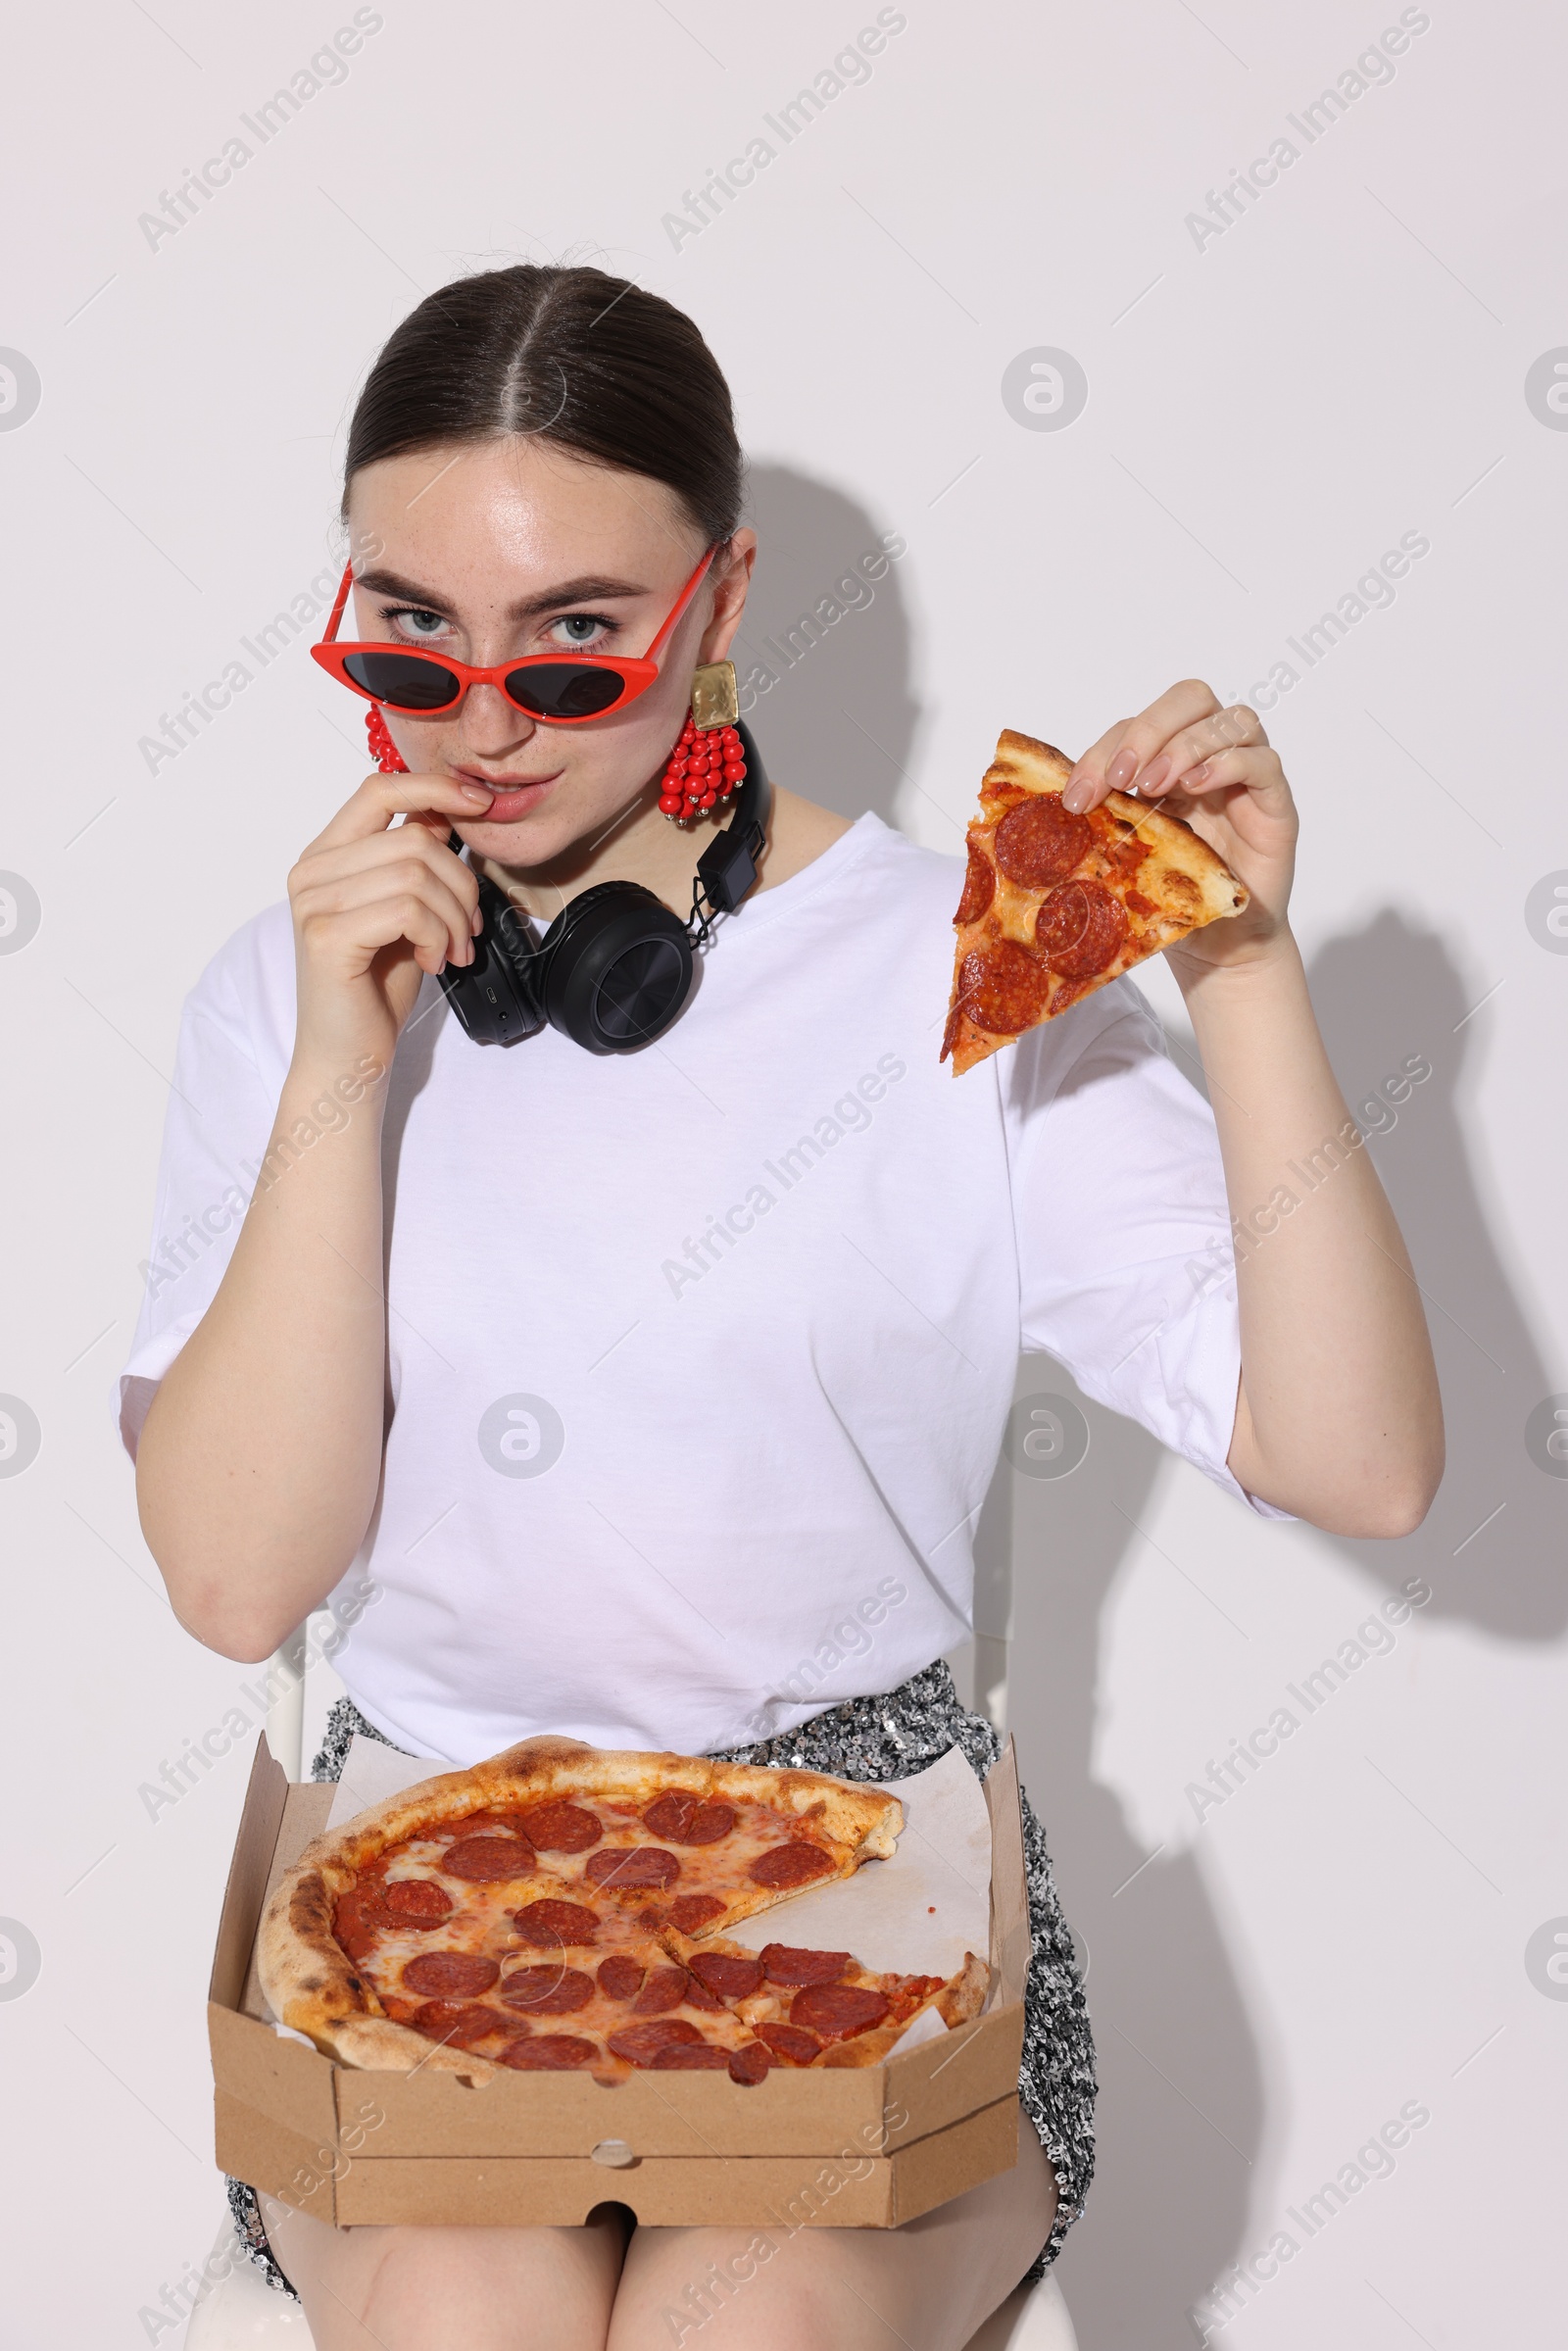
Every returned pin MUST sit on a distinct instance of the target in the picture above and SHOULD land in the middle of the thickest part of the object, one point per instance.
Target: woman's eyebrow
(591, 588)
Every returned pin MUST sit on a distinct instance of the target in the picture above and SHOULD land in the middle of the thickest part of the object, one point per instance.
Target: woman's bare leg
(450, 2289)
(926, 2285)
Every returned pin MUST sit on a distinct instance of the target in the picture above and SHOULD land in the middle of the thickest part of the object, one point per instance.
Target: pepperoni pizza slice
(1055, 904)
(554, 1908)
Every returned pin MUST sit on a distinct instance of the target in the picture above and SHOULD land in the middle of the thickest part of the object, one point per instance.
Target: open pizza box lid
(850, 2146)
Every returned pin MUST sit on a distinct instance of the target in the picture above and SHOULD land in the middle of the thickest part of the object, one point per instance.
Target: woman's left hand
(1212, 767)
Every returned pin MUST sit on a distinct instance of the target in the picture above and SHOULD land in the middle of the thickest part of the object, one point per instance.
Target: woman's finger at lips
(381, 798)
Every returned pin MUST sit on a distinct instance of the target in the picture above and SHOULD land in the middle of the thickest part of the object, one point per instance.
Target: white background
(1266, 414)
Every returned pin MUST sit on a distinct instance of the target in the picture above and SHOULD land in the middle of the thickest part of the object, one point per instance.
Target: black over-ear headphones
(614, 967)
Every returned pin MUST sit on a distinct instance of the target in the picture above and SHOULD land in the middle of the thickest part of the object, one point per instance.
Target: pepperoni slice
(749, 2063)
(623, 1867)
(1080, 928)
(698, 1995)
(484, 1860)
(683, 1819)
(979, 888)
(691, 1913)
(550, 1923)
(1002, 988)
(727, 1972)
(544, 1991)
(1040, 841)
(640, 2044)
(785, 1963)
(620, 1978)
(666, 1987)
(416, 1902)
(461, 2023)
(792, 2042)
(562, 1828)
(449, 1975)
(489, 1823)
(793, 1864)
(691, 2057)
(546, 2052)
(838, 2011)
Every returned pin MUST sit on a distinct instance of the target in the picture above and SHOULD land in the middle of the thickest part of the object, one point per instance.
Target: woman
(617, 1381)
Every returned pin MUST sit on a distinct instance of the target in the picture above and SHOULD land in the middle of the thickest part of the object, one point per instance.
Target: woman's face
(494, 550)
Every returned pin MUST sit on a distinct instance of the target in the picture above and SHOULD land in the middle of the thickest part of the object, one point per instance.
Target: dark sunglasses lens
(564, 690)
(407, 684)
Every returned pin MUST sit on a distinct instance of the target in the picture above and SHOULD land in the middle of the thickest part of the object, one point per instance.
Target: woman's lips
(512, 798)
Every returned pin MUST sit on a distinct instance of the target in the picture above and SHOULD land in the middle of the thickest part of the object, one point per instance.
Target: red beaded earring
(383, 751)
(703, 769)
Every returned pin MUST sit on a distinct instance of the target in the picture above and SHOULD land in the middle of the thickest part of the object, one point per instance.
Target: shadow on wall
(1492, 1548)
(823, 651)
(1180, 2119)
(1182, 2113)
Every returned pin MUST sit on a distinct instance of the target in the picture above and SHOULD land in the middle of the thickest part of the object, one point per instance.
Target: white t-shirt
(701, 1357)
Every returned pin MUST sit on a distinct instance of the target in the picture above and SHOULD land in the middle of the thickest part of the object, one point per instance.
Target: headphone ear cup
(497, 997)
(616, 969)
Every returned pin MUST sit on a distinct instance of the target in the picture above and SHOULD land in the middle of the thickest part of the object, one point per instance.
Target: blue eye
(413, 623)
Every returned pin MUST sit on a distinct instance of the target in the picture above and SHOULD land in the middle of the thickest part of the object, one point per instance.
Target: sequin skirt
(885, 1740)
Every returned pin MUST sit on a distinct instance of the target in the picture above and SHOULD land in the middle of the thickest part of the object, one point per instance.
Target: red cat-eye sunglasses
(566, 689)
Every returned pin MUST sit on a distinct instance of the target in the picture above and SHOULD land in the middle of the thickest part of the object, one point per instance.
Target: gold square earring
(715, 700)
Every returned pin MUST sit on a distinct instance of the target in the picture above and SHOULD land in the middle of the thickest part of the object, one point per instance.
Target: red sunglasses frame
(636, 672)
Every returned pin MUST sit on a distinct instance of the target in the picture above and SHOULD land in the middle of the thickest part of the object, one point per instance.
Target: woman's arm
(1337, 1419)
(261, 1457)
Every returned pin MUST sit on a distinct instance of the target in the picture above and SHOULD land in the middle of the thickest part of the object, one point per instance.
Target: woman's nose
(492, 723)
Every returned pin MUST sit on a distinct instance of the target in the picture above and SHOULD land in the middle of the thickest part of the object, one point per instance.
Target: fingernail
(1078, 793)
(1196, 775)
(1123, 767)
(476, 922)
(479, 791)
(1155, 773)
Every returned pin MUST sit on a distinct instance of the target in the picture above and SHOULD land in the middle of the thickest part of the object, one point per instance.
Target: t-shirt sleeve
(1127, 1273)
(235, 1036)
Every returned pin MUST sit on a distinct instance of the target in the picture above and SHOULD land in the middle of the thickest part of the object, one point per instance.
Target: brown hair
(588, 362)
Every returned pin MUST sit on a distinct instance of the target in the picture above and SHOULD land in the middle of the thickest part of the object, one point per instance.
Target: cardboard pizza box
(848, 2147)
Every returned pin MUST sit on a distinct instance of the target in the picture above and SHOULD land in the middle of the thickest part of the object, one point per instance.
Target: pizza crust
(1179, 879)
(314, 1988)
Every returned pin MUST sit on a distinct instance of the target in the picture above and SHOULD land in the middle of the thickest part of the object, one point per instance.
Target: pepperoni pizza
(555, 1908)
(1055, 904)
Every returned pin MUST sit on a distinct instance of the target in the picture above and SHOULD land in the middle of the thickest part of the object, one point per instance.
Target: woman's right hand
(374, 908)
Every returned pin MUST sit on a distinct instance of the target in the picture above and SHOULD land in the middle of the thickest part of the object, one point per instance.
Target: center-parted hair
(585, 360)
